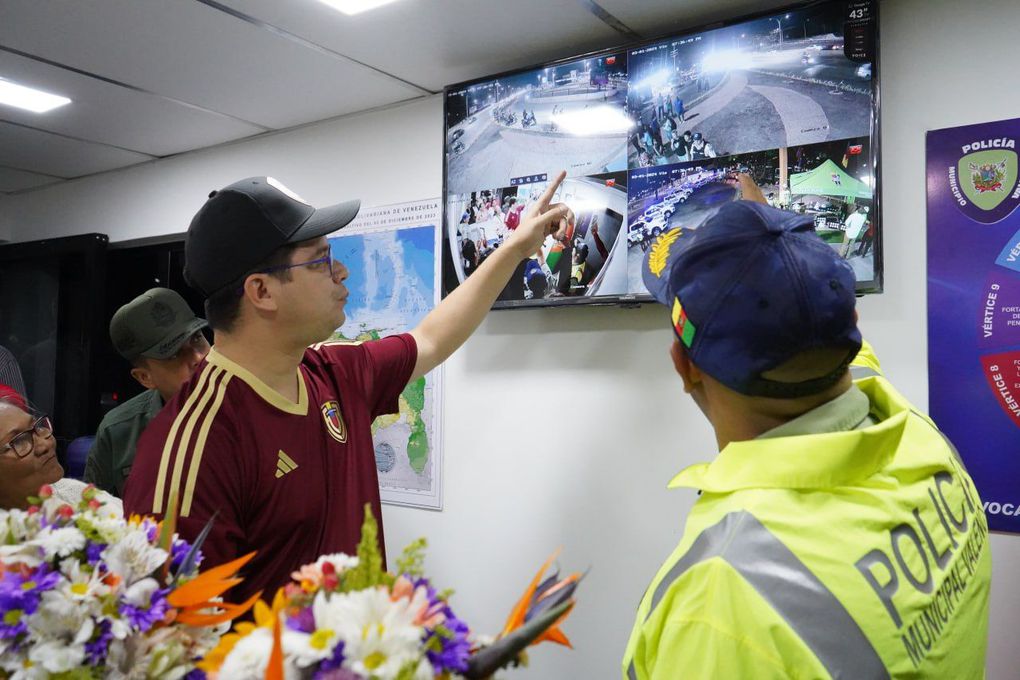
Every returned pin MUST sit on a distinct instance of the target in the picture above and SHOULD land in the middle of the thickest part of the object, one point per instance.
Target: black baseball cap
(242, 224)
(751, 288)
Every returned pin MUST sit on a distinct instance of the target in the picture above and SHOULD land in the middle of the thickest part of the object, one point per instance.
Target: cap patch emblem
(278, 185)
(659, 256)
(682, 325)
(334, 421)
(162, 315)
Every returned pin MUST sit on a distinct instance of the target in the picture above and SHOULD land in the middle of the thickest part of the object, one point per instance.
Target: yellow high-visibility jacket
(848, 554)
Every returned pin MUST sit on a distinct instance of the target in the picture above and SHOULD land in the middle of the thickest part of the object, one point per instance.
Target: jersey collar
(808, 461)
(268, 394)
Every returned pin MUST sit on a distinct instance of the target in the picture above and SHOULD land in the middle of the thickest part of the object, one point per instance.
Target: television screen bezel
(873, 287)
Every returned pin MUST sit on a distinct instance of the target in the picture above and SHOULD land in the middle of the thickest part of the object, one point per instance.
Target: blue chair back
(77, 454)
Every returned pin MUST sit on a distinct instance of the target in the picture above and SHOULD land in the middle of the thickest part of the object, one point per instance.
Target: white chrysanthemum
(379, 635)
(110, 527)
(21, 553)
(56, 656)
(59, 542)
(16, 524)
(161, 654)
(205, 639)
(19, 671)
(140, 594)
(63, 619)
(82, 583)
(133, 557)
(306, 650)
(17, 528)
(120, 628)
(250, 656)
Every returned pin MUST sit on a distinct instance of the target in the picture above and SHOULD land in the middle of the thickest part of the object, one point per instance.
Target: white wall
(563, 426)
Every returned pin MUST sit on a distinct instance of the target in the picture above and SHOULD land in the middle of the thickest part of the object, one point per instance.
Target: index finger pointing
(550, 216)
(543, 201)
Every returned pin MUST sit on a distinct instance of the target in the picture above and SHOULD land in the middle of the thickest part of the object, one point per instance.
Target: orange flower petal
(516, 618)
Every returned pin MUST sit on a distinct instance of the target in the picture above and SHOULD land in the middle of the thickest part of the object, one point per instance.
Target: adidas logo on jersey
(284, 464)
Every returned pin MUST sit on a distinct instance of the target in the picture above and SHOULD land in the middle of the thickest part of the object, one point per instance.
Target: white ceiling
(154, 78)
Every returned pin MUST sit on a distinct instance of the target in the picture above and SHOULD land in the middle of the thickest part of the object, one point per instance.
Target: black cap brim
(326, 220)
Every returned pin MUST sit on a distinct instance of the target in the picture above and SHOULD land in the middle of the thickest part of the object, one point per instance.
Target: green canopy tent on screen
(828, 179)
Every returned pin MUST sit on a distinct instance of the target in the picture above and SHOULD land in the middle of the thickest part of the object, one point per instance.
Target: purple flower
(19, 596)
(18, 591)
(329, 668)
(144, 617)
(337, 674)
(93, 552)
(303, 621)
(13, 625)
(97, 648)
(195, 674)
(178, 551)
(151, 531)
(456, 648)
(452, 636)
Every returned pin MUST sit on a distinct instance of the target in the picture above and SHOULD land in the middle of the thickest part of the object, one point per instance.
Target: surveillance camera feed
(653, 138)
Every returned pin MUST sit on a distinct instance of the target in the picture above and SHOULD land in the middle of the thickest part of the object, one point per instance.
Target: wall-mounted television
(651, 136)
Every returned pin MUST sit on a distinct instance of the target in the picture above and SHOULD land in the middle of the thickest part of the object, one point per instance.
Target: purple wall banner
(974, 306)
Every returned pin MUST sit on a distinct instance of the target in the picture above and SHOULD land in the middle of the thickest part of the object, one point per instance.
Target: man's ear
(687, 371)
(258, 289)
(144, 378)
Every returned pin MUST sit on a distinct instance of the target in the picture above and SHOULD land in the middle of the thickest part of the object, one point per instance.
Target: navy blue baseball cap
(751, 288)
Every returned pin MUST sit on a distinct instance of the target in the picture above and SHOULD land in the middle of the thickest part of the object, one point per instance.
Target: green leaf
(407, 671)
(190, 562)
(369, 572)
(412, 561)
(84, 673)
(509, 649)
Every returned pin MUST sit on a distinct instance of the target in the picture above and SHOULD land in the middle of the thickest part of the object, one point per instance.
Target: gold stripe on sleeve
(185, 414)
(184, 446)
(203, 434)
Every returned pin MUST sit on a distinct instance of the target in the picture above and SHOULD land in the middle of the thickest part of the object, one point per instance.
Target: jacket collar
(808, 461)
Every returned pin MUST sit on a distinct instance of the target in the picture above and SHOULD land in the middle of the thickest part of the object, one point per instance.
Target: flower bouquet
(345, 618)
(86, 594)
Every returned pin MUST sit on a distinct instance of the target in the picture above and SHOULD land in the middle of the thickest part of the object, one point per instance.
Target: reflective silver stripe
(858, 372)
(796, 594)
(952, 447)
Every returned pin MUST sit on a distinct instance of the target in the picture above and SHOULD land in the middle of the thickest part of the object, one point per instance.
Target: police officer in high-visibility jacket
(837, 534)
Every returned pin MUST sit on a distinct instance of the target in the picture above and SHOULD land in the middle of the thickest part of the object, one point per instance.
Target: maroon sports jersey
(288, 480)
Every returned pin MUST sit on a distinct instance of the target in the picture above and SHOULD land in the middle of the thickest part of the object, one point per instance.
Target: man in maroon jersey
(271, 437)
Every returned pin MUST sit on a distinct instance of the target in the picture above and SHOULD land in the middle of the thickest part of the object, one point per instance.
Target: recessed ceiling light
(29, 98)
(356, 6)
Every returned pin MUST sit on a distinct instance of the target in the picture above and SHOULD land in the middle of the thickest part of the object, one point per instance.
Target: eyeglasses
(327, 260)
(23, 443)
(332, 265)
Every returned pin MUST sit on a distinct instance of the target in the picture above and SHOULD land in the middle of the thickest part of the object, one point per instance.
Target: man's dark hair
(224, 306)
